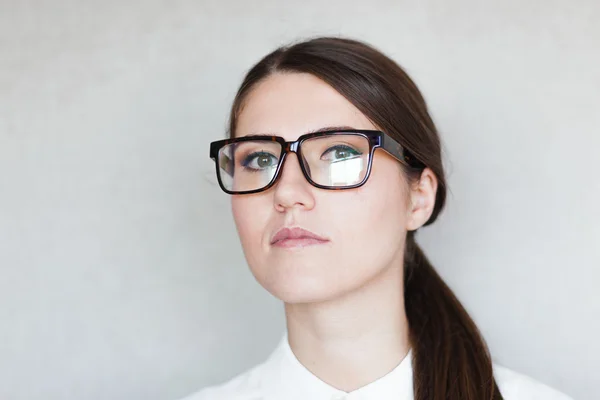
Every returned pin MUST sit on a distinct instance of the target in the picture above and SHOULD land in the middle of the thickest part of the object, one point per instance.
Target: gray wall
(121, 273)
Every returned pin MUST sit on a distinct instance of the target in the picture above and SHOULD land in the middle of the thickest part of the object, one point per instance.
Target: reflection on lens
(336, 160)
(345, 173)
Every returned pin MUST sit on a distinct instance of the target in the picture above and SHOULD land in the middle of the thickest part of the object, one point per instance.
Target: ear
(422, 200)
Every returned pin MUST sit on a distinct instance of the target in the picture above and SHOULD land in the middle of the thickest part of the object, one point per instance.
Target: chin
(291, 288)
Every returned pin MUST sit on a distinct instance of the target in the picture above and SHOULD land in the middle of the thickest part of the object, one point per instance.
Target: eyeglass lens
(338, 160)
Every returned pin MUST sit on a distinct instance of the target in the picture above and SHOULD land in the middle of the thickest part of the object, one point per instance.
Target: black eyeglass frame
(377, 139)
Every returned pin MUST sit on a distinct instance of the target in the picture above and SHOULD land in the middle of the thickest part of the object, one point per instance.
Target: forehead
(291, 104)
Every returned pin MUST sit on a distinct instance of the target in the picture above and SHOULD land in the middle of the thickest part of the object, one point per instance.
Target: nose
(292, 189)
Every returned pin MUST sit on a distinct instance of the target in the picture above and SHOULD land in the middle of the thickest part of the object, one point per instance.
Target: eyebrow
(319, 130)
(331, 128)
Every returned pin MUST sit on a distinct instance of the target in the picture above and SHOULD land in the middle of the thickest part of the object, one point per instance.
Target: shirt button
(338, 397)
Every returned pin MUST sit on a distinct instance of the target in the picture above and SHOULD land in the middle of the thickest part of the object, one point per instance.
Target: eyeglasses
(334, 160)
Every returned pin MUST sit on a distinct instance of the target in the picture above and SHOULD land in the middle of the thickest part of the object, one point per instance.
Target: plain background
(121, 275)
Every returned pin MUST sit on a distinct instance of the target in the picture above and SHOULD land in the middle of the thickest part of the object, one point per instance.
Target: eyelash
(341, 147)
(251, 157)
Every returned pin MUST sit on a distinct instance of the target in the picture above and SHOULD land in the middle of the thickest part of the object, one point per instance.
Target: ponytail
(450, 357)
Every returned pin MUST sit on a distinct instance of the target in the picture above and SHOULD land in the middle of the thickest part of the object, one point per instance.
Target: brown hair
(451, 359)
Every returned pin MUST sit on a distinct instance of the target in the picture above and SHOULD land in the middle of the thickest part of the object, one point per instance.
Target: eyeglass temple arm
(397, 150)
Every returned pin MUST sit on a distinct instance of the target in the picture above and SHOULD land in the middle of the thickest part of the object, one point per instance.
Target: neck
(355, 338)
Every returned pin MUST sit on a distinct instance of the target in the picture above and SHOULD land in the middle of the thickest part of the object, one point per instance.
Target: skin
(344, 299)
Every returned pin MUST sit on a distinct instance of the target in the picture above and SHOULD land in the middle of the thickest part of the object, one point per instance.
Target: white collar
(286, 378)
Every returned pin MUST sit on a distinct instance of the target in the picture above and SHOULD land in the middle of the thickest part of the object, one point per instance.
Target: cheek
(372, 218)
(372, 222)
(249, 220)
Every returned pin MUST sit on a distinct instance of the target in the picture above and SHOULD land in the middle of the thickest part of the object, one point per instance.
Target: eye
(339, 153)
(259, 160)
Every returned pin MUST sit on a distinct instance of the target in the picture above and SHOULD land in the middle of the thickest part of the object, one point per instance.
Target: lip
(296, 237)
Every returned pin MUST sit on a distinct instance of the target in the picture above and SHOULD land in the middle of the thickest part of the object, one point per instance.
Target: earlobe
(416, 204)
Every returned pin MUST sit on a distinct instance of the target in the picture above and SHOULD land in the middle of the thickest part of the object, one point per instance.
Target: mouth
(296, 237)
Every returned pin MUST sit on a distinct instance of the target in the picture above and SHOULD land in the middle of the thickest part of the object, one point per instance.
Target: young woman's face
(364, 228)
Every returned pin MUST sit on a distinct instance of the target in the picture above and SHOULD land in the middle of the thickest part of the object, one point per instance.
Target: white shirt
(283, 377)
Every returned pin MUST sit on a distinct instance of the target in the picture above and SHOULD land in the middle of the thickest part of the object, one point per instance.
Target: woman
(333, 165)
